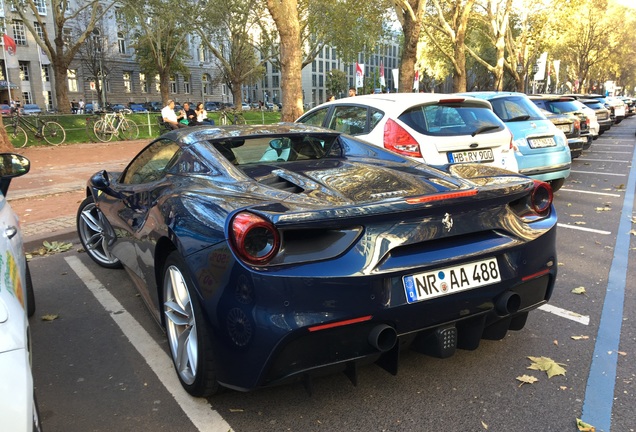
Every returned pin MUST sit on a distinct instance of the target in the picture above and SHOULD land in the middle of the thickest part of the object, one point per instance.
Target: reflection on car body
(271, 253)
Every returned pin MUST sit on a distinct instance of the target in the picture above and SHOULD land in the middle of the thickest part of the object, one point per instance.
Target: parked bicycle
(22, 127)
(228, 116)
(116, 123)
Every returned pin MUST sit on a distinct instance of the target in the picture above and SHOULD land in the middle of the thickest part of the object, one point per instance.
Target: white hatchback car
(437, 129)
(18, 409)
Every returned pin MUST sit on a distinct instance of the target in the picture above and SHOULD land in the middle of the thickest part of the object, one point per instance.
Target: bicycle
(91, 119)
(115, 124)
(234, 117)
(52, 132)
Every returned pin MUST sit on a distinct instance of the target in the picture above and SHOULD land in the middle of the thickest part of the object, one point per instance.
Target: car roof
(401, 101)
(491, 94)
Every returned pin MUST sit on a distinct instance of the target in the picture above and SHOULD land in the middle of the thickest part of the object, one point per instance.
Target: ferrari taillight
(541, 198)
(398, 140)
(255, 239)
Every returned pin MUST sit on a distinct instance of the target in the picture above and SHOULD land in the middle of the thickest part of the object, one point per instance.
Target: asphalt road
(102, 364)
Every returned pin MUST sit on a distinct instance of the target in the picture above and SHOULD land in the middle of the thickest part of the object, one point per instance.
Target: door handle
(10, 231)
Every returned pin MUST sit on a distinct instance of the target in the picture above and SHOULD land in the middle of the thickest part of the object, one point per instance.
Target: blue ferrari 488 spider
(270, 253)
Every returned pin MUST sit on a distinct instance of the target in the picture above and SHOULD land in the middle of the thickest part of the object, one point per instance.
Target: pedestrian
(331, 98)
(190, 115)
(352, 91)
(202, 115)
(80, 107)
(170, 117)
(74, 107)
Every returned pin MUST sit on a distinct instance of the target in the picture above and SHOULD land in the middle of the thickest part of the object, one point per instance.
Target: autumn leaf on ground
(584, 427)
(546, 364)
(576, 215)
(633, 232)
(579, 223)
(485, 426)
(600, 209)
(50, 317)
(579, 290)
(527, 379)
(580, 337)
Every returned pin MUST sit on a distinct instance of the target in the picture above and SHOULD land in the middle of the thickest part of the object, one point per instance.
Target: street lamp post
(520, 73)
(202, 85)
(535, 69)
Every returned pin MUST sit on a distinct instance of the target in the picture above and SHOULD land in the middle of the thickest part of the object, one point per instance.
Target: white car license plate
(564, 127)
(541, 142)
(450, 280)
(485, 155)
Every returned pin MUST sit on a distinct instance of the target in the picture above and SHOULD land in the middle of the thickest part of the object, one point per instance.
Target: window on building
(143, 84)
(275, 81)
(38, 30)
(26, 97)
(2, 69)
(206, 84)
(326, 52)
(127, 77)
(320, 66)
(313, 80)
(24, 71)
(186, 85)
(46, 73)
(71, 76)
(313, 66)
(40, 5)
(19, 33)
(158, 83)
(119, 15)
(173, 84)
(121, 43)
(67, 35)
(224, 89)
(48, 100)
(320, 81)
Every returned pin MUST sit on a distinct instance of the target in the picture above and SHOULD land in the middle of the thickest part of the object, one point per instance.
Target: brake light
(541, 198)
(398, 140)
(255, 239)
(442, 196)
(577, 125)
(450, 101)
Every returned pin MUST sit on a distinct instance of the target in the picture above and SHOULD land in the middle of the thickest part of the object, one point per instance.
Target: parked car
(5, 110)
(18, 407)
(269, 106)
(89, 108)
(559, 104)
(570, 125)
(602, 114)
(541, 149)
(30, 109)
(245, 106)
(620, 109)
(279, 252)
(153, 106)
(211, 106)
(137, 108)
(433, 128)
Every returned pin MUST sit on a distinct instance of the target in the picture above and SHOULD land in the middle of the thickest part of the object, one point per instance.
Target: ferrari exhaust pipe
(508, 303)
(383, 337)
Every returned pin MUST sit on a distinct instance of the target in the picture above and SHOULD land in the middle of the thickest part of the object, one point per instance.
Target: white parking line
(576, 227)
(198, 410)
(605, 160)
(613, 145)
(599, 173)
(582, 319)
(611, 152)
(589, 192)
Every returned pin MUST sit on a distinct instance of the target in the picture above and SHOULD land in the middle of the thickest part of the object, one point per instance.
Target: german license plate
(451, 280)
(541, 142)
(564, 127)
(484, 155)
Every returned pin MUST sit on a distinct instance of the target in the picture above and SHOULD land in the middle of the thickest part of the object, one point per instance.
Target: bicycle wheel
(102, 131)
(53, 133)
(90, 128)
(17, 136)
(128, 130)
(223, 119)
(239, 119)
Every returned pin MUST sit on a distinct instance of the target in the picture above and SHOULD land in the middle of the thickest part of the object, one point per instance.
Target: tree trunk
(5, 143)
(164, 84)
(61, 89)
(237, 95)
(411, 29)
(459, 77)
(285, 15)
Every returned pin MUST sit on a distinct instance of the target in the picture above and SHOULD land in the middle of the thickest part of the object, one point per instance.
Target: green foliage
(337, 83)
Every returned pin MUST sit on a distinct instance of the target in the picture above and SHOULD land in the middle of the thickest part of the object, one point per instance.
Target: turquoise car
(541, 149)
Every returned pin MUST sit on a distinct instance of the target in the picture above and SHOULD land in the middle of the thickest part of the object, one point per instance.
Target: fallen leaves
(527, 379)
(50, 317)
(579, 290)
(580, 337)
(50, 248)
(584, 427)
(547, 365)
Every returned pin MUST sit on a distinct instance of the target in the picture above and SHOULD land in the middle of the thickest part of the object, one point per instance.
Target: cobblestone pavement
(46, 199)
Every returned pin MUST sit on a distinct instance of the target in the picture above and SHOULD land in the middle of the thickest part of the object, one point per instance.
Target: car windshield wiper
(518, 118)
(484, 129)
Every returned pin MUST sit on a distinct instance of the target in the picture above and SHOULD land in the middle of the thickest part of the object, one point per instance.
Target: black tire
(557, 184)
(193, 357)
(53, 133)
(96, 234)
(17, 136)
(128, 130)
(29, 292)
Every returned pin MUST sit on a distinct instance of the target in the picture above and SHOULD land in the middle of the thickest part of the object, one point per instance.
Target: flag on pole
(359, 75)
(382, 82)
(396, 81)
(416, 81)
(9, 44)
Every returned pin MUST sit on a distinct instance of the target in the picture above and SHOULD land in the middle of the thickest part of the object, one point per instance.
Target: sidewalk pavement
(46, 199)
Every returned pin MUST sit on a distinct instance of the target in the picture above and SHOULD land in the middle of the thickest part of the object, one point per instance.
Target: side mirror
(11, 165)
(101, 181)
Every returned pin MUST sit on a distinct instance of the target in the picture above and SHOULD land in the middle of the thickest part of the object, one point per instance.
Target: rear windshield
(272, 148)
(449, 120)
(559, 107)
(515, 108)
